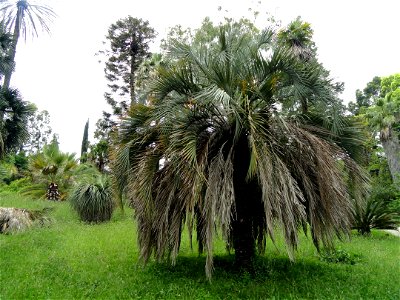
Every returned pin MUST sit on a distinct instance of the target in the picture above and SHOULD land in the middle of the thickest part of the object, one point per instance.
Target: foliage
(215, 153)
(92, 199)
(384, 118)
(365, 97)
(376, 213)
(129, 40)
(297, 36)
(73, 260)
(13, 167)
(339, 256)
(6, 65)
(51, 166)
(85, 143)
(39, 130)
(14, 115)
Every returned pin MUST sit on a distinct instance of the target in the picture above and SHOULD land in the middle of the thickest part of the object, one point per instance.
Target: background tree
(21, 18)
(6, 64)
(15, 114)
(213, 151)
(129, 40)
(365, 97)
(39, 130)
(384, 117)
(85, 143)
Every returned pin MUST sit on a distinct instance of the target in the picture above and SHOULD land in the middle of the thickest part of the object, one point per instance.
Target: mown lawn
(71, 260)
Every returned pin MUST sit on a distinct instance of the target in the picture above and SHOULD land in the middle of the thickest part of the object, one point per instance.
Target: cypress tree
(85, 143)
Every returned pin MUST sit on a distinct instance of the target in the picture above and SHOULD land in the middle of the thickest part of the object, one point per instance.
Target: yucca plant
(92, 199)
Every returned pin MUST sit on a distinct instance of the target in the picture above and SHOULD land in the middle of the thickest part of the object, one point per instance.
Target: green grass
(72, 260)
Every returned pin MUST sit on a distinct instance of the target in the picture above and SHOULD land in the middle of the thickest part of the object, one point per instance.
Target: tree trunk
(242, 223)
(391, 146)
(13, 48)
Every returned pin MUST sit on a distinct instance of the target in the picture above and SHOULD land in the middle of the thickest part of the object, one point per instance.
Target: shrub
(92, 199)
(339, 256)
(375, 213)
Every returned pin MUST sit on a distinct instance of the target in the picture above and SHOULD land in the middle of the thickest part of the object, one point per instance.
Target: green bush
(339, 256)
(92, 199)
(375, 213)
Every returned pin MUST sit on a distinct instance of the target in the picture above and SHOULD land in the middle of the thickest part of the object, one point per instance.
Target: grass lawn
(69, 259)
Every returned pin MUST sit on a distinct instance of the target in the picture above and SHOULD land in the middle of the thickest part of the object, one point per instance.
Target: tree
(39, 130)
(384, 117)
(22, 17)
(129, 45)
(85, 143)
(215, 152)
(6, 65)
(14, 114)
(365, 97)
(49, 169)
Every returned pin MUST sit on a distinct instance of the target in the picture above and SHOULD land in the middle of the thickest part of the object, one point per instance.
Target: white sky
(356, 40)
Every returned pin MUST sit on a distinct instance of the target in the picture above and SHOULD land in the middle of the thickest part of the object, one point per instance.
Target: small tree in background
(40, 132)
(85, 143)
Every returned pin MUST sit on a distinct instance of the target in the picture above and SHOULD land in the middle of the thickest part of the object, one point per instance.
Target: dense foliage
(92, 199)
(215, 152)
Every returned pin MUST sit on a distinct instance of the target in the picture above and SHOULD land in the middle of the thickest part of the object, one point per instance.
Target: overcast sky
(356, 41)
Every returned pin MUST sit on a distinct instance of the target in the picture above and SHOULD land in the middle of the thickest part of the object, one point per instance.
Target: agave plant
(215, 152)
(92, 199)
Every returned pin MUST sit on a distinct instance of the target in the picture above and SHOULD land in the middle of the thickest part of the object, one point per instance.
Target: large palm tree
(216, 152)
(23, 17)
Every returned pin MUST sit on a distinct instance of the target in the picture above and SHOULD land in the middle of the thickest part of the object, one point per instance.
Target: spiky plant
(215, 152)
(92, 199)
(51, 166)
(375, 213)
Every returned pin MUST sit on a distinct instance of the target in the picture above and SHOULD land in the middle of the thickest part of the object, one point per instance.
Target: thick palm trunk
(391, 146)
(13, 48)
(242, 223)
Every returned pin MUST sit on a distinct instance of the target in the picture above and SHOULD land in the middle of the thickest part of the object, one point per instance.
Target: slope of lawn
(68, 259)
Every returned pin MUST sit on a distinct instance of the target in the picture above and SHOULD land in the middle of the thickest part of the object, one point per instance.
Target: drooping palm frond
(215, 153)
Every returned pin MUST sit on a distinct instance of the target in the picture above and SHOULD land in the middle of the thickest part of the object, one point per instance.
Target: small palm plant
(92, 199)
(375, 213)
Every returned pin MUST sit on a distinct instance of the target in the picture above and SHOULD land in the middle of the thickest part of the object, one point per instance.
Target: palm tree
(214, 151)
(52, 173)
(14, 115)
(384, 117)
(23, 17)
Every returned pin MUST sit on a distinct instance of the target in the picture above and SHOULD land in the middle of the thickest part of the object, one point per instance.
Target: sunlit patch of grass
(70, 259)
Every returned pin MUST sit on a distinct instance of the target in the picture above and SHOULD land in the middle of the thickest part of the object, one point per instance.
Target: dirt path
(394, 232)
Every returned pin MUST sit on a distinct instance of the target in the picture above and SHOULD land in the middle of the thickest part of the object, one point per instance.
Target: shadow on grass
(194, 267)
(272, 277)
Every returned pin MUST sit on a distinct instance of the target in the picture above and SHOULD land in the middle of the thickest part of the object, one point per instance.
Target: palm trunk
(13, 48)
(391, 146)
(242, 223)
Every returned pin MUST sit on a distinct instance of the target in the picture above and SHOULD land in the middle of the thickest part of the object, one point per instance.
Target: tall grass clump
(92, 199)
